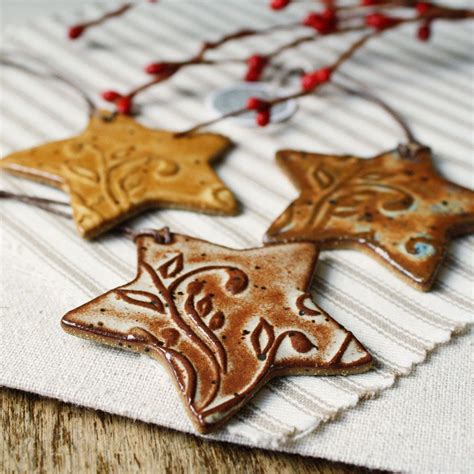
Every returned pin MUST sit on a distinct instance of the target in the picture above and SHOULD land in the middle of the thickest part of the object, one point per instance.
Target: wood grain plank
(39, 435)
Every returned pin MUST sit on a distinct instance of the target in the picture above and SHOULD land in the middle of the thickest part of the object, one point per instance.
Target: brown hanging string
(162, 236)
(6, 61)
(408, 150)
(365, 94)
(42, 203)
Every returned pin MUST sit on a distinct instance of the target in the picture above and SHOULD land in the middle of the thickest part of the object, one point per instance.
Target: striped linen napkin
(48, 269)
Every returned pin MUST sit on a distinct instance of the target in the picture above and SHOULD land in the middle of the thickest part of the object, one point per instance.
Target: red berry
(379, 21)
(329, 14)
(76, 31)
(254, 103)
(311, 80)
(323, 75)
(156, 68)
(310, 18)
(422, 8)
(124, 105)
(369, 3)
(316, 21)
(256, 64)
(308, 81)
(321, 26)
(323, 23)
(279, 4)
(256, 61)
(263, 118)
(253, 74)
(424, 32)
(330, 17)
(110, 96)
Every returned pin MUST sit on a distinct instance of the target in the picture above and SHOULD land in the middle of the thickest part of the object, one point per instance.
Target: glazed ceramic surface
(117, 168)
(395, 206)
(222, 321)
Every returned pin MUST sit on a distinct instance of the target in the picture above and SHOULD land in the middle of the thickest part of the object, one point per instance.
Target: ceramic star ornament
(395, 206)
(222, 321)
(117, 168)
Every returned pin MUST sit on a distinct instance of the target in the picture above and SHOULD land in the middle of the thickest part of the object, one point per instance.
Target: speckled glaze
(117, 168)
(395, 206)
(222, 321)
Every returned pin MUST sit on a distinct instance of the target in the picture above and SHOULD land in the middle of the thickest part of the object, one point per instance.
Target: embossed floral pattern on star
(394, 206)
(222, 321)
(117, 168)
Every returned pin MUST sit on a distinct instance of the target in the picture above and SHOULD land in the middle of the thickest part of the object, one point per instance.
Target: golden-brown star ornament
(117, 168)
(394, 206)
(222, 321)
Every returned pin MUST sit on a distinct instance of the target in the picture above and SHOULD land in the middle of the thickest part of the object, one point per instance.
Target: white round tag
(235, 97)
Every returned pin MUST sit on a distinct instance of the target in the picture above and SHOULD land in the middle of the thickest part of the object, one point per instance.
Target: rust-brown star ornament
(117, 168)
(222, 321)
(394, 206)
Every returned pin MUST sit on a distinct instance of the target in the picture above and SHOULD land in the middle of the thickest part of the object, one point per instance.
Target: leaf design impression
(304, 309)
(195, 287)
(170, 336)
(217, 321)
(204, 306)
(300, 342)
(237, 281)
(172, 267)
(142, 298)
(263, 331)
(322, 178)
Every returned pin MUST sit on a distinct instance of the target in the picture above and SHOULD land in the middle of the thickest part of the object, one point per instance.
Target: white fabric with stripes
(47, 269)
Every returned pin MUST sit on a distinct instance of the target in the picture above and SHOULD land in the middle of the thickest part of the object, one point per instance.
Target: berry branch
(367, 16)
(310, 83)
(165, 70)
(79, 29)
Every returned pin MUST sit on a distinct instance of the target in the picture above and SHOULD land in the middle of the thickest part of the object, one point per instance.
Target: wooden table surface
(42, 435)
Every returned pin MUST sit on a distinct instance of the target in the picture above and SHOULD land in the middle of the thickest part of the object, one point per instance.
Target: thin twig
(304, 39)
(79, 29)
(114, 13)
(209, 45)
(385, 5)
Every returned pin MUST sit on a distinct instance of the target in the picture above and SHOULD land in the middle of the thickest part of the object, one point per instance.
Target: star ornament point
(395, 206)
(118, 168)
(222, 321)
